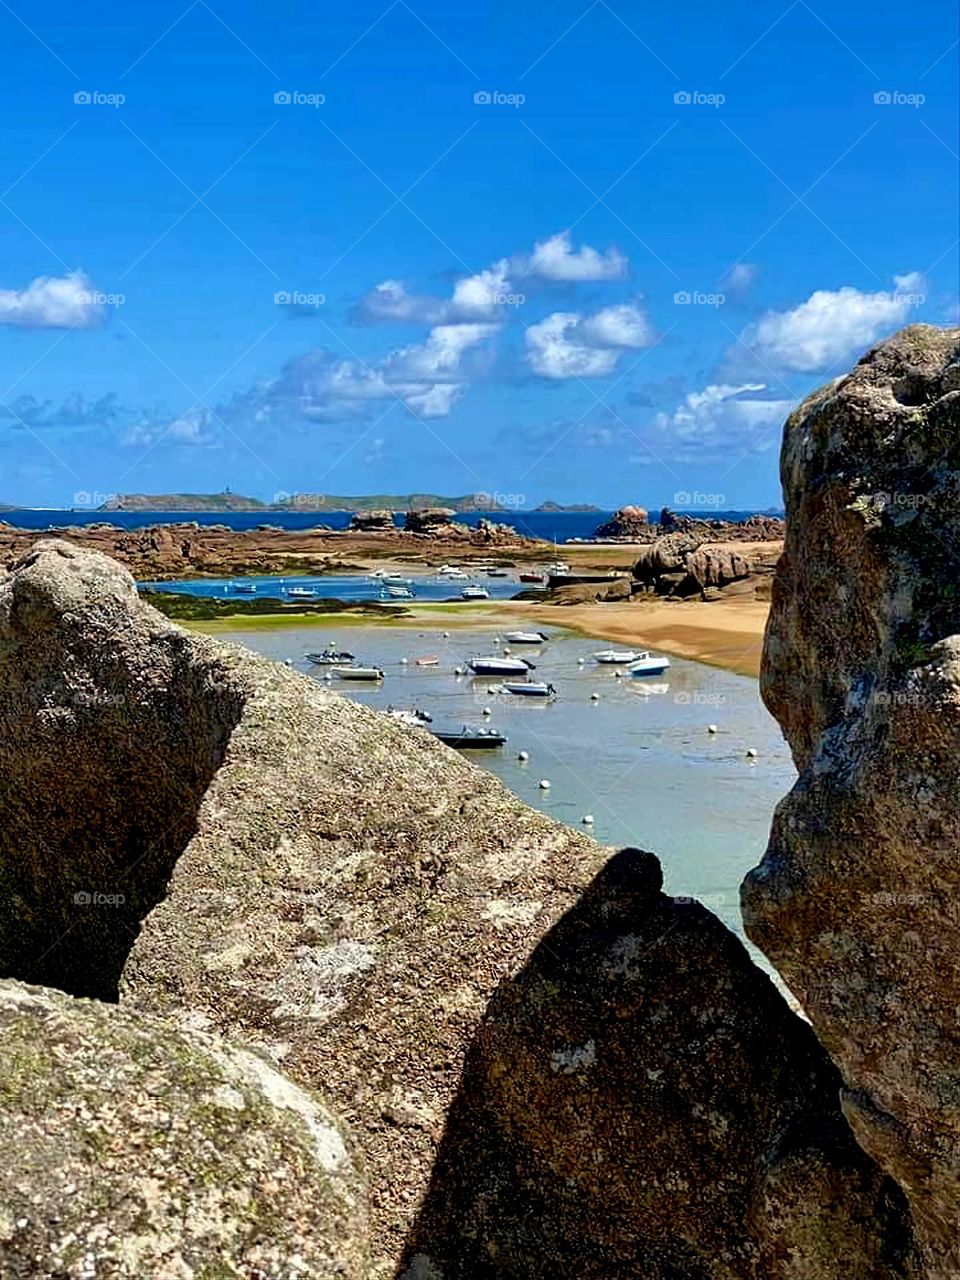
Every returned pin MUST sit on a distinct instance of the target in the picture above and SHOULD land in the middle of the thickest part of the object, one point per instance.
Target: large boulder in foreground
(856, 898)
(133, 1148)
(639, 1102)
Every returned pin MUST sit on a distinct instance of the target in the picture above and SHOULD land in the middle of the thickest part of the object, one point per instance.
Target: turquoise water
(639, 758)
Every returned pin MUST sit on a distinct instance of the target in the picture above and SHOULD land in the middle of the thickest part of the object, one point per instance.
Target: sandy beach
(724, 633)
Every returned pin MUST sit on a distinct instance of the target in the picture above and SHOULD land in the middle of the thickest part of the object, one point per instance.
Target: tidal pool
(639, 758)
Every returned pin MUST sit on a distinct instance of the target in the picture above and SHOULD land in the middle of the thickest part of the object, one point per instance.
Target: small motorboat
(469, 737)
(474, 593)
(414, 718)
(451, 571)
(398, 593)
(358, 673)
(498, 573)
(430, 660)
(332, 658)
(526, 637)
(396, 580)
(245, 588)
(300, 593)
(558, 566)
(532, 577)
(526, 688)
(500, 666)
(649, 664)
(615, 657)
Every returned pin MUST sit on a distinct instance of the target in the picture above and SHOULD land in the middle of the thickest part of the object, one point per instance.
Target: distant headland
(228, 501)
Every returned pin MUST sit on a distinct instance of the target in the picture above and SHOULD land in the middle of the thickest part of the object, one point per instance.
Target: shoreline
(726, 633)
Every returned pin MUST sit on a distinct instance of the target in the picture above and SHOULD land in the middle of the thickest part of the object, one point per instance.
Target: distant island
(319, 502)
(312, 502)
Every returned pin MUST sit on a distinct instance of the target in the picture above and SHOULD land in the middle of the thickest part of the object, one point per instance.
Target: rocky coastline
(288, 990)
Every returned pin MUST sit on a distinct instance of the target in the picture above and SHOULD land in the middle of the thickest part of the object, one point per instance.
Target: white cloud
(556, 259)
(829, 327)
(390, 302)
(717, 419)
(569, 345)
(52, 302)
(476, 297)
(740, 277)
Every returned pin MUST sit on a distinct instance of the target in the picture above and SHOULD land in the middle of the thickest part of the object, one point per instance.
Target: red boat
(531, 577)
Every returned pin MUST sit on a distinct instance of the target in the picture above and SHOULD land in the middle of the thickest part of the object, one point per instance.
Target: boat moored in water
(300, 593)
(474, 593)
(531, 577)
(390, 592)
(332, 658)
(469, 737)
(616, 657)
(358, 673)
(245, 588)
(649, 664)
(414, 718)
(525, 637)
(526, 688)
(500, 666)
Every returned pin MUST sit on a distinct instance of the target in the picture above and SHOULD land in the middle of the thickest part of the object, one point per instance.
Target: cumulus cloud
(831, 326)
(569, 345)
(718, 419)
(556, 259)
(740, 277)
(52, 302)
(475, 297)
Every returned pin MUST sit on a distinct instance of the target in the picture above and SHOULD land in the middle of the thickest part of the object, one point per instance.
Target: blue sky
(593, 252)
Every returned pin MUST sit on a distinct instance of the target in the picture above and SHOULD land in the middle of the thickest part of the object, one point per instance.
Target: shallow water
(341, 586)
(639, 758)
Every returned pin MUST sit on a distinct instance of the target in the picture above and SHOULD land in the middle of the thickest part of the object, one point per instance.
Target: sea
(630, 761)
(560, 526)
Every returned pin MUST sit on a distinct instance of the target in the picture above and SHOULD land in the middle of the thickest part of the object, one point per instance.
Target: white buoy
(458, 671)
(496, 639)
(751, 752)
(587, 819)
(544, 784)
(487, 711)
(403, 662)
(711, 728)
(523, 755)
(594, 697)
(288, 662)
(581, 662)
(446, 635)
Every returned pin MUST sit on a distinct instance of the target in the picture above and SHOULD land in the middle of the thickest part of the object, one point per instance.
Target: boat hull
(470, 741)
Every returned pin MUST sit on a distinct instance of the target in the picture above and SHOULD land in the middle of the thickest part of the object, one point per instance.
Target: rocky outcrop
(372, 522)
(640, 1102)
(429, 520)
(134, 1148)
(627, 523)
(856, 898)
(388, 926)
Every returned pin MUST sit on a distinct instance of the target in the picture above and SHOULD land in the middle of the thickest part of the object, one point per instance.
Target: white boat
(414, 718)
(245, 588)
(301, 593)
(358, 673)
(526, 688)
(525, 637)
(474, 593)
(396, 580)
(399, 593)
(452, 572)
(500, 666)
(614, 657)
(558, 566)
(649, 664)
